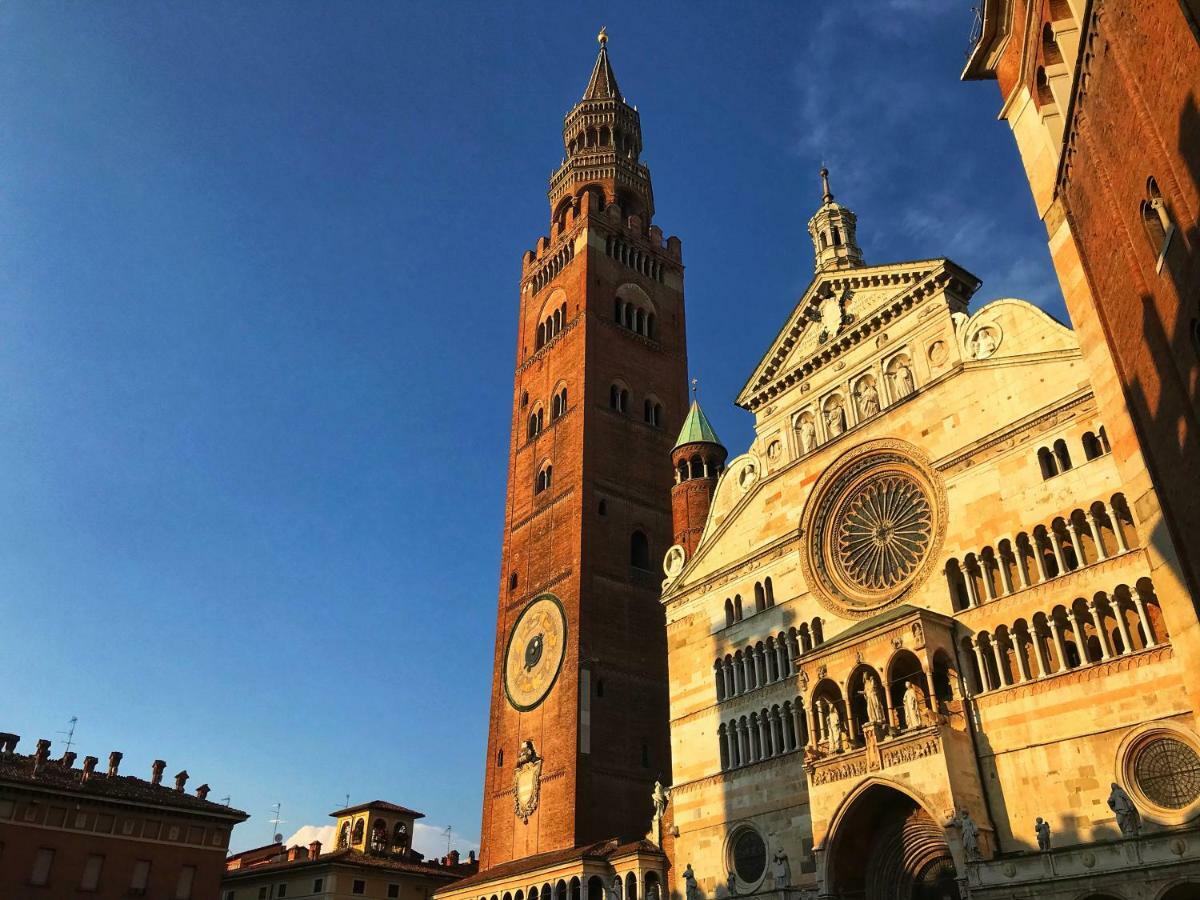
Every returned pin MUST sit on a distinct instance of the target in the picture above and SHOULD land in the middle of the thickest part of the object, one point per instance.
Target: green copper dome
(696, 429)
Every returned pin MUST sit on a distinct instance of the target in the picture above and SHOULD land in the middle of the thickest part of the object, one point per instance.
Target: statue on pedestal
(875, 710)
(970, 836)
(781, 870)
(691, 889)
(660, 797)
(1043, 833)
(1128, 818)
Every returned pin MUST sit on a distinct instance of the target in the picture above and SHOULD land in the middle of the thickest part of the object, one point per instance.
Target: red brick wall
(1137, 115)
(559, 542)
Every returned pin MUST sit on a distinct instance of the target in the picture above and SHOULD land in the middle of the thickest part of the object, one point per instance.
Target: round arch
(906, 854)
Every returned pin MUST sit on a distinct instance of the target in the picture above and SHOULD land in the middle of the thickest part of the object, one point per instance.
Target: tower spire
(833, 230)
(603, 83)
(826, 192)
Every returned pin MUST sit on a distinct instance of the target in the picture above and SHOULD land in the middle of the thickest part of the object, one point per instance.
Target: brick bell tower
(579, 712)
(699, 459)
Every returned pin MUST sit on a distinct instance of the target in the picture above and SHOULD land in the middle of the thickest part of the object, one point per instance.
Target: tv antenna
(70, 732)
(449, 829)
(276, 822)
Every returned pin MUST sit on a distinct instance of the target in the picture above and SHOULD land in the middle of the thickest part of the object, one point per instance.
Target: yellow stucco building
(929, 643)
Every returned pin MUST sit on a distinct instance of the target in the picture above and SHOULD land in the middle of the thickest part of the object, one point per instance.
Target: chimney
(89, 766)
(40, 756)
(453, 857)
(114, 763)
(8, 743)
(68, 759)
(181, 780)
(471, 857)
(202, 791)
(314, 849)
(294, 853)
(156, 770)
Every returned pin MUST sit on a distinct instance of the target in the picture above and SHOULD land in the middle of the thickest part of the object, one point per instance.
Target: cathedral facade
(925, 643)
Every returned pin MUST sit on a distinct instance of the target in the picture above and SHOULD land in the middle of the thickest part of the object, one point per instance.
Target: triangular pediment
(840, 308)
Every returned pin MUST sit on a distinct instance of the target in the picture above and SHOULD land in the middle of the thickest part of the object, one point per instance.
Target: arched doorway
(887, 847)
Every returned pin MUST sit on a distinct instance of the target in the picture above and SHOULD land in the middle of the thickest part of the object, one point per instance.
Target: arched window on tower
(618, 398)
(1156, 220)
(400, 838)
(534, 427)
(652, 412)
(544, 477)
(639, 551)
(558, 404)
(1062, 454)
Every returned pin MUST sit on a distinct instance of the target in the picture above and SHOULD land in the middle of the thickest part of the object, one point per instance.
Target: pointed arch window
(639, 551)
(534, 423)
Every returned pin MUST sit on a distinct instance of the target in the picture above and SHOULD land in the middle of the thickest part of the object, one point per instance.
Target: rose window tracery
(1168, 772)
(872, 527)
(883, 532)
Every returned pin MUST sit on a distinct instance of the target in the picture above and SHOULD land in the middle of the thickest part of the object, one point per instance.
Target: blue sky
(258, 288)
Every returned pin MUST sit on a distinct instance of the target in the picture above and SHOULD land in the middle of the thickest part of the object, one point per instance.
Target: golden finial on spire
(602, 37)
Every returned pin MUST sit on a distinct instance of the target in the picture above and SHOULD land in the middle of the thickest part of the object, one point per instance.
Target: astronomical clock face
(536, 646)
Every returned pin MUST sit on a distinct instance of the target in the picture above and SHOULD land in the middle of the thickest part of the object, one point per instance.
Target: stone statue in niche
(660, 797)
(1128, 818)
(808, 435)
(613, 890)
(914, 701)
(731, 884)
(970, 836)
(902, 380)
(868, 399)
(836, 731)
(983, 344)
(875, 710)
(1043, 833)
(691, 889)
(835, 418)
(781, 870)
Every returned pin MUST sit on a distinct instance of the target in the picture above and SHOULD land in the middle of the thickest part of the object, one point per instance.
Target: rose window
(883, 532)
(1168, 773)
(872, 528)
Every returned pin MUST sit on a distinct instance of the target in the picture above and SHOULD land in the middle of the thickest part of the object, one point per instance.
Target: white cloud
(306, 834)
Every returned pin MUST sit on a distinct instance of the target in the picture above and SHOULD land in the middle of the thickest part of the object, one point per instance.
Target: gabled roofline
(764, 375)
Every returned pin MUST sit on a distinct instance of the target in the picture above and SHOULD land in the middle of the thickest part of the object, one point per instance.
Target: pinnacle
(603, 83)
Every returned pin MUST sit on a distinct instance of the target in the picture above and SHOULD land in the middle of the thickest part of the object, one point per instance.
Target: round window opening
(872, 528)
(1168, 773)
(749, 856)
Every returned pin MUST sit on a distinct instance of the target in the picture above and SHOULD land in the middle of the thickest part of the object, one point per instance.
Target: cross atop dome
(832, 229)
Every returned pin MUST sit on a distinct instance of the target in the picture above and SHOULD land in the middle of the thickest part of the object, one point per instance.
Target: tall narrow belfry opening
(578, 732)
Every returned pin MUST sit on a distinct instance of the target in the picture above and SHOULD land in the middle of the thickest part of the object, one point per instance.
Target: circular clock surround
(872, 527)
(537, 644)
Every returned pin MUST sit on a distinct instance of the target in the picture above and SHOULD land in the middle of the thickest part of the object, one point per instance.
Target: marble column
(1022, 663)
(1059, 646)
(987, 578)
(1122, 625)
(1035, 544)
(1038, 651)
(998, 656)
(1020, 564)
(984, 682)
(1094, 528)
(1140, 602)
(1101, 631)
(1056, 547)
(1080, 559)
(1116, 527)
(1005, 576)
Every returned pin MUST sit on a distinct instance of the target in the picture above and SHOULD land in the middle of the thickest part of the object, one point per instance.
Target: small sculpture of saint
(914, 700)
(1128, 818)
(903, 380)
(1043, 833)
(868, 400)
(970, 836)
(875, 710)
(781, 870)
(808, 435)
(691, 889)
